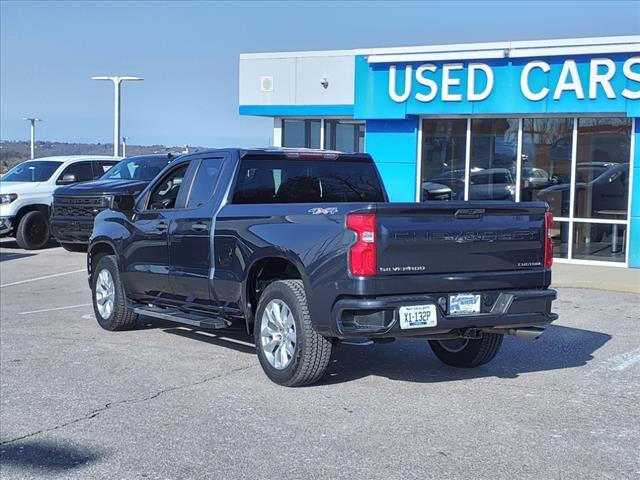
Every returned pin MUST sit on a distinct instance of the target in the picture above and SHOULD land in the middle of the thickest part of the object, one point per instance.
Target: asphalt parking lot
(169, 402)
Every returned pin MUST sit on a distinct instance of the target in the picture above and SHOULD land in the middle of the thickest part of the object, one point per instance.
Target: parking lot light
(116, 107)
(33, 121)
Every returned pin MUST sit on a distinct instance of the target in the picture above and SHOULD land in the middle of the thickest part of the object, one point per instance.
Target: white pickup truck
(26, 193)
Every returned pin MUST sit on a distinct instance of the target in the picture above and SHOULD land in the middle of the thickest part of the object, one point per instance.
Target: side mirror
(123, 202)
(67, 178)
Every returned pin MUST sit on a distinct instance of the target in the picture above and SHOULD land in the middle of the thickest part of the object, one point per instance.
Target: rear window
(307, 181)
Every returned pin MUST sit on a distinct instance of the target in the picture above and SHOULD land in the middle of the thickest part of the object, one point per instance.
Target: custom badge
(323, 211)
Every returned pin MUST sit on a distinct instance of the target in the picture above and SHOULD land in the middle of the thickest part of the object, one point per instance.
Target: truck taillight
(548, 241)
(362, 256)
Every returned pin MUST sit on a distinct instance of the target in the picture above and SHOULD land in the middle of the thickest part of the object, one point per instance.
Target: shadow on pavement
(234, 337)
(13, 245)
(5, 256)
(45, 456)
(411, 360)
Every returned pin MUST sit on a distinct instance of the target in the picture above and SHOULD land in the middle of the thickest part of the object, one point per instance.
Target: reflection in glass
(344, 135)
(560, 237)
(599, 241)
(494, 143)
(444, 144)
(301, 133)
(602, 168)
(546, 162)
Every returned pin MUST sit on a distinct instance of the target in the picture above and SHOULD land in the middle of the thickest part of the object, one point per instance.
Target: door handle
(199, 227)
(162, 226)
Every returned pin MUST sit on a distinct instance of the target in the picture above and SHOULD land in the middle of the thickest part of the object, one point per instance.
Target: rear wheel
(32, 232)
(109, 304)
(74, 247)
(290, 350)
(466, 352)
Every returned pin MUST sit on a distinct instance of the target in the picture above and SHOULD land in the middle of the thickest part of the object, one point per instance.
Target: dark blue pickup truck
(304, 248)
(75, 206)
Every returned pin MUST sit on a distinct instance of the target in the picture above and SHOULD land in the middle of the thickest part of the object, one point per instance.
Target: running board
(175, 315)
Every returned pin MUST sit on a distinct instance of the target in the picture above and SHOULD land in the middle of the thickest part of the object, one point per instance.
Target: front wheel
(290, 350)
(466, 352)
(32, 233)
(109, 304)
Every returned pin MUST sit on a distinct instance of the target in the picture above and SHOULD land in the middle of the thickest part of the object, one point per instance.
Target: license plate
(464, 304)
(418, 316)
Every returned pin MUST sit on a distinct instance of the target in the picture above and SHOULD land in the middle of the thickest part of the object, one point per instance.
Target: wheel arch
(267, 268)
(34, 207)
(96, 249)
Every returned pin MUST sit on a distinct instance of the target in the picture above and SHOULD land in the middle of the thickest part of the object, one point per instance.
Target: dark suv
(75, 206)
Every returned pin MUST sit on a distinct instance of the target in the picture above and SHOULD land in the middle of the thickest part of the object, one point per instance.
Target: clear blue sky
(188, 54)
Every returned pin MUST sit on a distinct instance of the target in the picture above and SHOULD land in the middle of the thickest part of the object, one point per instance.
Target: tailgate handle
(469, 213)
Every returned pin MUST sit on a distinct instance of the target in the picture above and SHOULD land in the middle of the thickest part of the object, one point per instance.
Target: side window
(82, 172)
(100, 168)
(204, 182)
(165, 193)
(256, 184)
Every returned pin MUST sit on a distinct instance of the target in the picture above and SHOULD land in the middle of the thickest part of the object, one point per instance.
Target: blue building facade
(553, 121)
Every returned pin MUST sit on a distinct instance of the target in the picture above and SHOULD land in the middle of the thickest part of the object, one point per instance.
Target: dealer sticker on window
(418, 316)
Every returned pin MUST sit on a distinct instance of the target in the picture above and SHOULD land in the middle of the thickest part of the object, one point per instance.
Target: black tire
(120, 317)
(469, 353)
(74, 247)
(312, 351)
(32, 233)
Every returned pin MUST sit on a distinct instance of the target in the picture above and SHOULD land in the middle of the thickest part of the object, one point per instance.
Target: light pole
(124, 146)
(33, 121)
(116, 107)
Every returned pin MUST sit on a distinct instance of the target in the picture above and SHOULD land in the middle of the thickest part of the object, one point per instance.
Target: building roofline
(576, 45)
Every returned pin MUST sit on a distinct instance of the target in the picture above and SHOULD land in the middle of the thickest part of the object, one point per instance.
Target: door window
(205, 182)
(83, 172)
(165, 194)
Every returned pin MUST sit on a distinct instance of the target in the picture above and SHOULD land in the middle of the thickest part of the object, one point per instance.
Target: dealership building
(550, 120)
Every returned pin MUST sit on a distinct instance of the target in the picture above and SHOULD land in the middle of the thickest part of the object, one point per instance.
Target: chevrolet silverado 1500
(304, 248)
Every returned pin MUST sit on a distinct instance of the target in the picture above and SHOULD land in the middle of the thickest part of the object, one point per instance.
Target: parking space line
(41, 278)
(54, 309)
(626, 360)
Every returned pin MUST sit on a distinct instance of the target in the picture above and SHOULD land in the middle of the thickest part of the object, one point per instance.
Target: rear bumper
(6, 225)
(378, 317)
(72, 231)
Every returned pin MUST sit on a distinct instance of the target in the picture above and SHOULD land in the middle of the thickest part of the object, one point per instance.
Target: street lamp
(33, 121)
(124, 146)
(116, 107)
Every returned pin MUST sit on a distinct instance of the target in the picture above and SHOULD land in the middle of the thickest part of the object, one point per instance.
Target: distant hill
(14, 152)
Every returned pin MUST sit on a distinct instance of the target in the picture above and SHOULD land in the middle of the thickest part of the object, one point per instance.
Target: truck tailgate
(459, 237)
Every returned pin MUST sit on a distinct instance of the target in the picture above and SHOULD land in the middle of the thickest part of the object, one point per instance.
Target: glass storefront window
(344, 135)
(599, 241)
(546, 162)
(301, 133)
(602, 168)
(444, 144)
(560, 238)
(494, 144)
